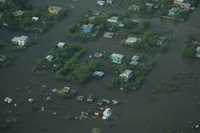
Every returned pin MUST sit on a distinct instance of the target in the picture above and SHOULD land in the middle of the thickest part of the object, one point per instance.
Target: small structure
(87, 28)
(20, 40)
(61, 44)
(107, 113)
(173, 12)
(2, 58)
(98, 55)
(35, 18)
(109, 2)
(198, 52)
(149, 5)
(113, 19)
(101, 2)
(54, 10)
(99, 74)
(132, 40)
(108, 35)
(135, 60)
(134, 7)
(18, 13)
(182, 4)
(126, 75)
(8, 100)
(49, 58)
(117, 58)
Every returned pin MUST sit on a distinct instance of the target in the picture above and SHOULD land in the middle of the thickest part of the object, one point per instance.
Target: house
(134, 7)
(149, 5)
(135, 60)
(107, 113)
(87, 28)
(35, 18)
(54, 10)
(18, 13)
(2, 58)
(117, 58)
(49, 58)
(98, 74)
(113, 19)
(101, 2)
(109, 1)
(20, 40)
(108, 35)
(132, 40)
(61, 44)
(182, 4)
(126, 75)
(198, 52)
(173, 12)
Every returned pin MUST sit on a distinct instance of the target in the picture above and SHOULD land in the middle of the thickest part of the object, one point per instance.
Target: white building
(49, 58)
(107, 113)
(135, 60)
(113, 19)
(126, 75)
(117, 58)
(108, 35)
(132, 40)
(61, 44)
(20, 40)
(198, 52)
(35, 18)
(101, 2)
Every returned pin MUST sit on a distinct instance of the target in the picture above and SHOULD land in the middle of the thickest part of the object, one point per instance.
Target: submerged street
(141, 111)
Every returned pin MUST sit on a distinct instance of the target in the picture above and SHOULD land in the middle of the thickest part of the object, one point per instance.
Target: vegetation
(25, 21)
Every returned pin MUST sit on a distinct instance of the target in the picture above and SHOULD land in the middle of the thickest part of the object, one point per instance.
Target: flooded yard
(140, 111)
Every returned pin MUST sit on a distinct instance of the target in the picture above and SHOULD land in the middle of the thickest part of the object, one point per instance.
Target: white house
(126, 75)
(54, 10)
(113, 19)
(20, 40)
(135, 60)
(18, 13)
(61, 44)
(35, 18)
(107, 113)
(108, 35)
(49, 58)
(132, 40)
(182, 4)
(198, 52)
(101, 2)
(117, 58)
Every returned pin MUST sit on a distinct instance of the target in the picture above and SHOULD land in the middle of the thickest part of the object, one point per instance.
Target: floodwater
(140, 112)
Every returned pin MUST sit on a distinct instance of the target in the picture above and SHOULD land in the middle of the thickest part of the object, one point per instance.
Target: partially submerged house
(49, 58)
(117, 58)
(113, 19)
(60, 44)
(108, 35)
(132, 40)
(135, 60)
(182, 4)
(99, 74)
(198, 52)
(54, 10)
(18, 13)
(126, 75)
(20, 40)
(87, 28)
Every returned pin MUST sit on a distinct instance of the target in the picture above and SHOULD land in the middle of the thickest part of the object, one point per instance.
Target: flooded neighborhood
(99, 66)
